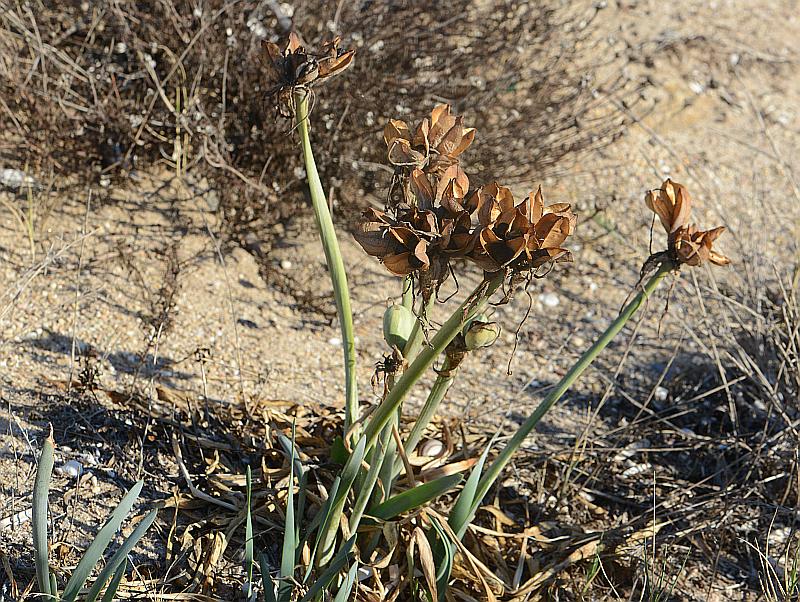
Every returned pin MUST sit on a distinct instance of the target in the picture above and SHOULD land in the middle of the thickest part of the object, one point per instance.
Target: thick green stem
(408, 292)
(493, 472)
(474, 304)
(435, 397)
(417, 337)
(333, 257)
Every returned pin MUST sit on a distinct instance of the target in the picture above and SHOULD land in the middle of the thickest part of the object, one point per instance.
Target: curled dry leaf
(686, 244)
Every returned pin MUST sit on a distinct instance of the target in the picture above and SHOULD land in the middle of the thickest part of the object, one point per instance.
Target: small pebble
(636, 469)
(72, 469)
(431, 448)
(335, 341)
(661, 394)
(286, 264)
(549, 299)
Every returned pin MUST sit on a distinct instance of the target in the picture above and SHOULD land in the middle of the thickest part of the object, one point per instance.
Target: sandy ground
(90, 291)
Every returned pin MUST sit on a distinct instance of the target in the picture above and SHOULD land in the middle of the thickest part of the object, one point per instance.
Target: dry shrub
(725, 419)
(90, 87)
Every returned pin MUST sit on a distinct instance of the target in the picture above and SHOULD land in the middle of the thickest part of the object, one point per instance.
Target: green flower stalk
(473, 305)
(444, 379)
(333, 258)
(496, 468)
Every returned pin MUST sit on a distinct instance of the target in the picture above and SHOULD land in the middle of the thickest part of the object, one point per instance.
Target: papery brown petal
(658, 205)
(506, 251)
(421, 188)
(485, 205)
(453, 183)
(373, 238)
(441, 122)
(399, 264)
(564, 210)
(449, 140)
(718, 258)
(559, 208)
(422, 136)
(404, 235)
(552, 230)
(467, 137)
(505, 198)
(402, 155)
(272, 61)
(473, 202)
(332, 66)
(421, 255)
(533, 206)
(294, 44)
(682, 208)
(543, 256)
(438, 112)
(715, 233)
(396, 128)
(426, 222)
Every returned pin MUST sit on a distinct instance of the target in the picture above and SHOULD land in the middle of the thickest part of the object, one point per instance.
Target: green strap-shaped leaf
(248, 534)
(443, 553)
(339, 561)
(266, 580)
(378, 455)
(415, 497)
(466, 504)
(120, 555)
(331, 525)
(41, 491)
(112, 588)
(347, 585)
(302, 477)
(319, 521)
(100, 543)
(289, 539)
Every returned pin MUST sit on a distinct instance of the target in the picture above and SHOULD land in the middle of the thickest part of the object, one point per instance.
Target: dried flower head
(671, 203)
(685, 242)
(434, 145)
(692, 246)
(424, 234)
(296, 69)
(521, 237)
(401, 245)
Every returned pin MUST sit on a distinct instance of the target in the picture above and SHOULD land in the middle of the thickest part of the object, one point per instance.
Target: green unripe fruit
(398, 322)
(482, 318)
(481, 334)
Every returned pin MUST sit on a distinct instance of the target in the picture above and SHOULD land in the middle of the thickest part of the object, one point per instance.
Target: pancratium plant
(435, 221)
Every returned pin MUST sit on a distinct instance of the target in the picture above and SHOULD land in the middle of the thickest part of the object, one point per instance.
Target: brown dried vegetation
(93, 90)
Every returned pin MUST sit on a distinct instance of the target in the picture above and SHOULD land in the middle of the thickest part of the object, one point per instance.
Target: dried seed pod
(398, 322)
(434, 145)
(294, 68)
(520, 237)
(686, 244)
